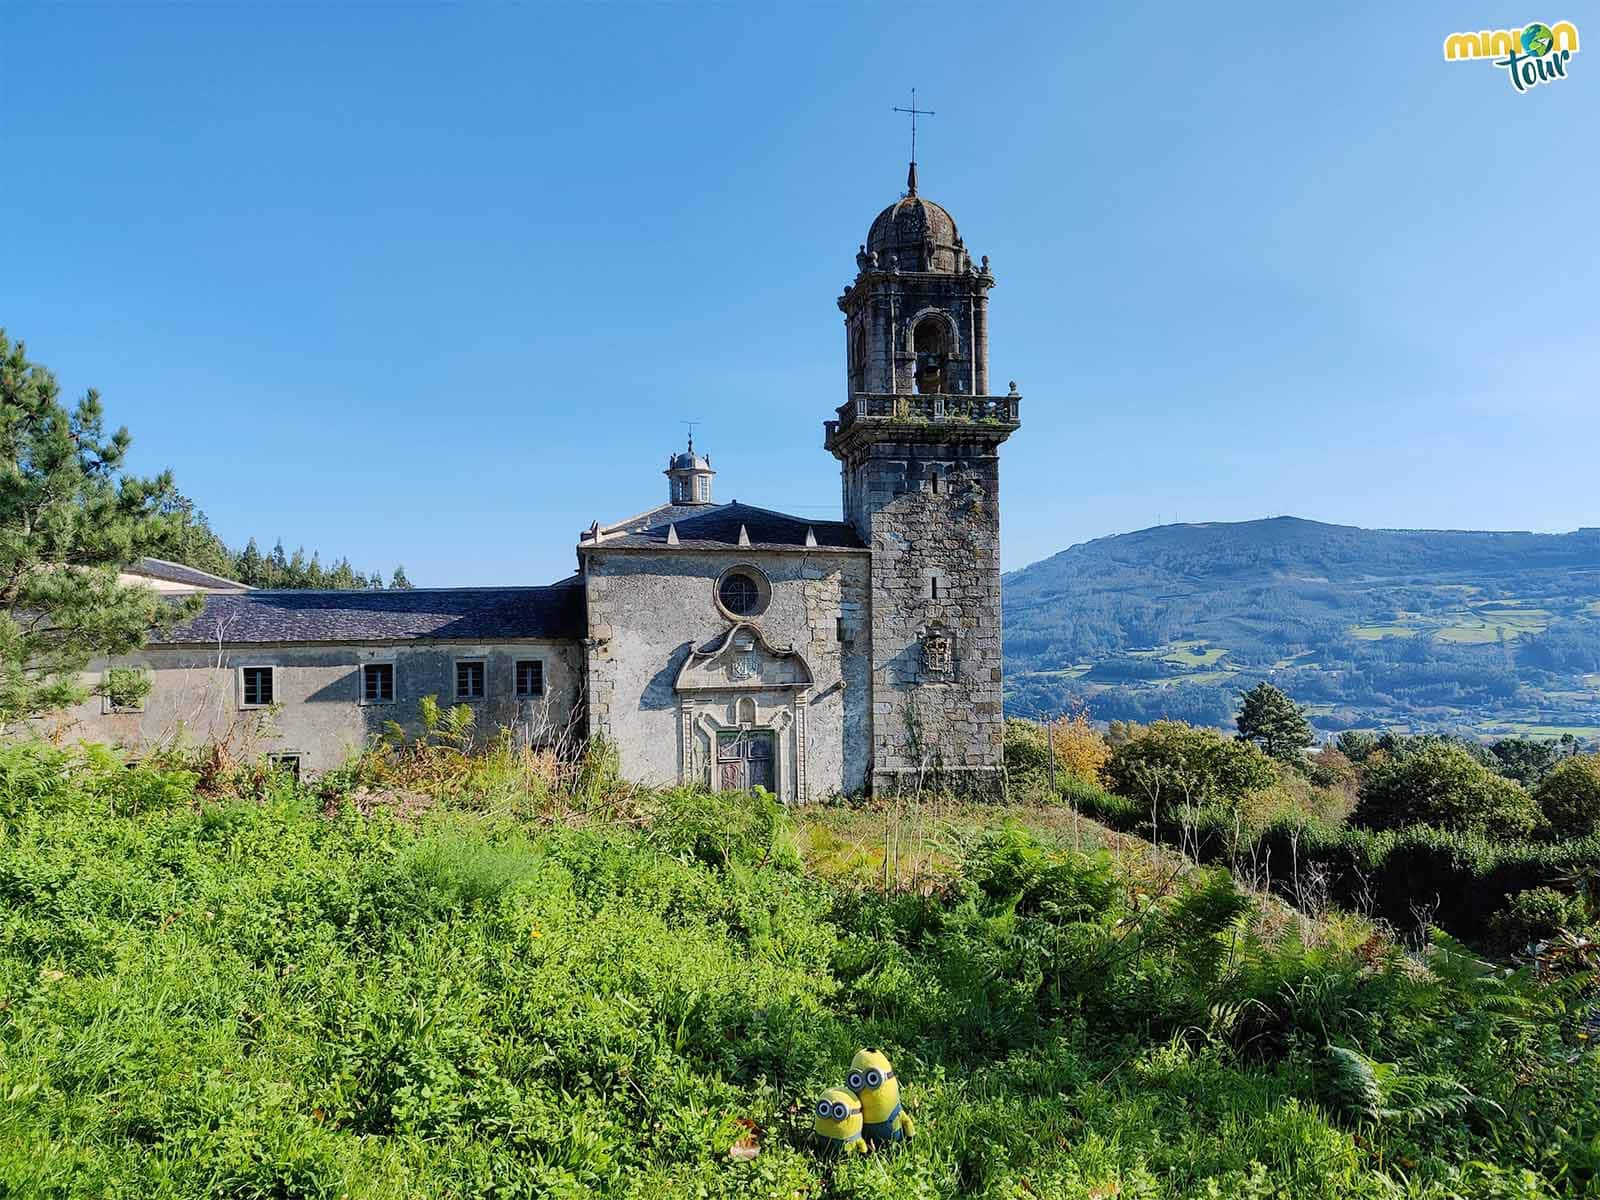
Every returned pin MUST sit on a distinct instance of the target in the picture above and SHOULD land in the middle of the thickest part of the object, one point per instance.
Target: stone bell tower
(918, 440)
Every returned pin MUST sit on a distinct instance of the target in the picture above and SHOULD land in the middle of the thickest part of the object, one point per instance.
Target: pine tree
(278, 567)
(196, 544)
(399, 582)
(249, 569)
(342, 576)
(1274, 722)
(70, 519)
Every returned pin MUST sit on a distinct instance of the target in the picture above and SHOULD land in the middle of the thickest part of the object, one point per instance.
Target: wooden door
(746, 758)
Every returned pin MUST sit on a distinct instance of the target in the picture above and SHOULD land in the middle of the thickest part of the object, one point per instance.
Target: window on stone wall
(471, 676)
(289, 764)
(377, 683)
(126, 689)
(741, 593)
(530, 678)
(256, 687)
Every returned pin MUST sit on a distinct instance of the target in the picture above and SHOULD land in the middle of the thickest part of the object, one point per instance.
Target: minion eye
(824, 1109)
(855, 1081)
(874, 1078)
(840, 1112)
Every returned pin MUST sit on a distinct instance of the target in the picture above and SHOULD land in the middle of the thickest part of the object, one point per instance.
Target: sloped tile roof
(172, 572)
(459, 614)
(716, 527)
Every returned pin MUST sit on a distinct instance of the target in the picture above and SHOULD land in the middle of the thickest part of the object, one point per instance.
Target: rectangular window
(377, 683)
(470, 675)
(933, 582)
(289, 763)
(125, 689)
(256, 690)
(530, 678)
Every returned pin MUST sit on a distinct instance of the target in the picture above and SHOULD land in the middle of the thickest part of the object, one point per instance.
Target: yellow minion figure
(872, 1078)
(838, 1123)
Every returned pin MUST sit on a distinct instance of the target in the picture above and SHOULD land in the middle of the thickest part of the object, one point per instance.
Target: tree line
(197, 545)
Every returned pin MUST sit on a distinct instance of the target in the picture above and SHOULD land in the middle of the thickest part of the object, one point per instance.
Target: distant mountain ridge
(1477, 630)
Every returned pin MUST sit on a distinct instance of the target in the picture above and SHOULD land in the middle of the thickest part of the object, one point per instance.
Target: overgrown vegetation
(1414, 830)
(273, 990)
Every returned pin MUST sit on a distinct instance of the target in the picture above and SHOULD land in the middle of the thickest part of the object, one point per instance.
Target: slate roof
(716, 527)
(460, 614)
(171, 572)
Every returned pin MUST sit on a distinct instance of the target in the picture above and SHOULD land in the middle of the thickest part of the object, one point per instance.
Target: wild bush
(1168, 765)
(1569, 797)
(1534, 916)
(1442, 785)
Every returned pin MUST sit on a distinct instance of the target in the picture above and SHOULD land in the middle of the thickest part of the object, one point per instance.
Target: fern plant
(1364, 1088)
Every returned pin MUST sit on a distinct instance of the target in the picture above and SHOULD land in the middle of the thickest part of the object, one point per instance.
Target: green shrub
(1535, 915)
(1442, 785)
(1168, 765)
(1569, 797)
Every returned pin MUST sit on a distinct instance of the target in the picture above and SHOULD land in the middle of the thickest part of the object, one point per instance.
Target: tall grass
(273, 995)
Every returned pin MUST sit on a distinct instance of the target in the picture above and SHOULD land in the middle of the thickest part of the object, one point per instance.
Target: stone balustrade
(878, 408)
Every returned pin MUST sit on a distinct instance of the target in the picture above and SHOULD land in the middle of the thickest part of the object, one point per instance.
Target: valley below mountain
(1480, 633)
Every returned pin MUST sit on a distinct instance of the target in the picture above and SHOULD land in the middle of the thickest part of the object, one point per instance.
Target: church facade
(711, 642)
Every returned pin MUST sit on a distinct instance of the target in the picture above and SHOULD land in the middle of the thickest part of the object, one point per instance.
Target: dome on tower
(688, 460)
(689, 476)
(919, 234)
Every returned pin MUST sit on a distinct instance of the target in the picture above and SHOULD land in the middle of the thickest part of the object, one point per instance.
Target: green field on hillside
(1436, 628)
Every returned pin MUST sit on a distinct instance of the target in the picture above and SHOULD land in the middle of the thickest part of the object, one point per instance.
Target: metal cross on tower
(915, 112)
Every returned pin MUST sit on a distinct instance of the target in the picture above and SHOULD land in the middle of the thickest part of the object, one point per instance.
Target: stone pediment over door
(742, 660)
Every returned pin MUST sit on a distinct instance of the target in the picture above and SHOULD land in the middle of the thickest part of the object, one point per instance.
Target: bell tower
(918, 442)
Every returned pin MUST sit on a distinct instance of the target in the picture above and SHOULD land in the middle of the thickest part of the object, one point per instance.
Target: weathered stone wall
(318, 713)
(647, 609)
(931, 512)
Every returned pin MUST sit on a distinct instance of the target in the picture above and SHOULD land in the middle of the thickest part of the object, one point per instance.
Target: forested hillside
(1472, 631)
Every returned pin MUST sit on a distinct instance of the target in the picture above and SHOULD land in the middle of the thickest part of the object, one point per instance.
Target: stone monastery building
(715, 642)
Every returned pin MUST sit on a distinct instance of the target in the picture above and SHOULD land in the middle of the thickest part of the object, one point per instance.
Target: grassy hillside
(232, 986)
(1478, 632)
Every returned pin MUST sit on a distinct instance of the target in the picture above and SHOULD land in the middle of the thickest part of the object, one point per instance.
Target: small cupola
(689, 477)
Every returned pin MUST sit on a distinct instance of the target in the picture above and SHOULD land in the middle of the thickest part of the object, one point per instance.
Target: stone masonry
(918, 444)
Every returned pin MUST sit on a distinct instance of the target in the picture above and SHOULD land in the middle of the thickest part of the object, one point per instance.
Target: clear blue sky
(437, 285)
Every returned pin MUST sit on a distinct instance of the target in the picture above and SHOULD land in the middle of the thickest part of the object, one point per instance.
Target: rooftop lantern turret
(689, 476)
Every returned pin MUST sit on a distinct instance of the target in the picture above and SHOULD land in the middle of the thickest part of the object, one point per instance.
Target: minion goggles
(873, 1078)
(836, 1110)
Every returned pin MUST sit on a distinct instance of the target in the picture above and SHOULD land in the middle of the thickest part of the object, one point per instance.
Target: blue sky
(437, 285)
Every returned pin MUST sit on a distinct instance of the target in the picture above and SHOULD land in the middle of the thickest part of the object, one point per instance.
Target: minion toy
(838, 1123)
(872, 1078)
